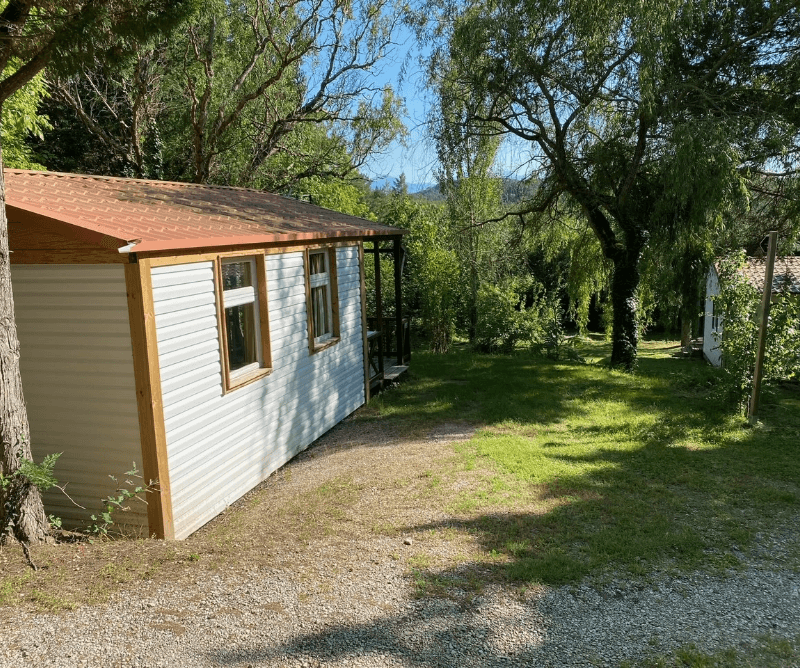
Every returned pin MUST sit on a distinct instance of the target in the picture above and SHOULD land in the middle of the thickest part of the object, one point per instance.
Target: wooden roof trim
(79, 232)
(254, 240)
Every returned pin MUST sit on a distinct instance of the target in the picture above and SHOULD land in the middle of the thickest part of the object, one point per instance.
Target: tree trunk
(686, 332)
(21, 511)
(624, 300)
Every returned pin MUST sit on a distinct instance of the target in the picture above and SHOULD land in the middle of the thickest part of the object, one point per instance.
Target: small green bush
(503, 319)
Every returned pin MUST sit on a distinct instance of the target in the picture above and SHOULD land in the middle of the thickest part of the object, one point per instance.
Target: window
(244, 327)
(322, 297)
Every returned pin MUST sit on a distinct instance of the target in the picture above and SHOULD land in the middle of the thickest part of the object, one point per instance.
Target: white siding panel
(169, 320)
(77, 375)
(221, 445)
(712, 338)
(182, 304)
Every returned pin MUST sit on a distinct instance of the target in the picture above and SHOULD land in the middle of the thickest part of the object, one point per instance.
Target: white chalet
(206, 333)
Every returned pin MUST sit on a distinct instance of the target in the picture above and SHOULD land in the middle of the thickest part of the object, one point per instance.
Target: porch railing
(387, 328)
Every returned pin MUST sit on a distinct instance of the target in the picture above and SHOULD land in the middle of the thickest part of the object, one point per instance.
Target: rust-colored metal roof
(163, 215)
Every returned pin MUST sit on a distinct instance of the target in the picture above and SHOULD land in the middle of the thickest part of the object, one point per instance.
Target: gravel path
(351, 602)
(369, 617)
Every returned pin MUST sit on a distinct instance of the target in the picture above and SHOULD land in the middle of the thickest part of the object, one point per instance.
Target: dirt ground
(335, 503)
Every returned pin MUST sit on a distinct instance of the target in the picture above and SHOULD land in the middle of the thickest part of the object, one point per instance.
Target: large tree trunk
(625, 302)
(21, 511)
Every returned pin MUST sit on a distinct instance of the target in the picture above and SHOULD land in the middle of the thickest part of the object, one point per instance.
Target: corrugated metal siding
(77, 375)
(222, 445)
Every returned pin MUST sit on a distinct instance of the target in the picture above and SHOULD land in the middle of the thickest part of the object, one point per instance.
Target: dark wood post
(398, 302)
(378, 303)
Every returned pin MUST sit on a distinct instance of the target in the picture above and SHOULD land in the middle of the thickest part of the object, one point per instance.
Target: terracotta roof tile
(786, 274)
(166, 215)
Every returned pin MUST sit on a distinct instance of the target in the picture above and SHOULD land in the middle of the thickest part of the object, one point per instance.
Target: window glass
(237, 275)
(241, 309)
(319, 281)
(319, 301)
(318, 263)
(241, 328)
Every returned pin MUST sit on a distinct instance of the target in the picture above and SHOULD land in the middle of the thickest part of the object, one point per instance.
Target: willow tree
(35, 34)
(648, 114)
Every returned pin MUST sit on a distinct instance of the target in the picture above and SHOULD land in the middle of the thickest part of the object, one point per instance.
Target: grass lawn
(599, 471)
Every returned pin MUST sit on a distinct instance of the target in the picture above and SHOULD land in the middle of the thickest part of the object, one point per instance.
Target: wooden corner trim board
(139, 286)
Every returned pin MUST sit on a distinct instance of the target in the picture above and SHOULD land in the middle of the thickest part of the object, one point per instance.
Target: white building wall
(219, 445)
(77, 376)
(712, 335)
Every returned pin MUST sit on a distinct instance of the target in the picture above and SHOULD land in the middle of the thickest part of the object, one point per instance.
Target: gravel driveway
(355, 603)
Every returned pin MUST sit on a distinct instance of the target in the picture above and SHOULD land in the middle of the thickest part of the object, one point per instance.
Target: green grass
(628, 471)
(767, 652)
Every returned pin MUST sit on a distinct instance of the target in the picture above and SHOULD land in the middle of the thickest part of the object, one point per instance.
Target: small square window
(322, 298)
(245, 335)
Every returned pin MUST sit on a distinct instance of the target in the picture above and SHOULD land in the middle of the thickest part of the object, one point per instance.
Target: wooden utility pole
(766, 301)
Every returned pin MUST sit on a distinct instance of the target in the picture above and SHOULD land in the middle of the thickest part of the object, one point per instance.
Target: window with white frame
(322, 298)
(246, 333)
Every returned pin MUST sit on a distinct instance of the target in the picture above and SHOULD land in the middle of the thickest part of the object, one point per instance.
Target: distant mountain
(513, 191)
(431, 194)
(413, 188)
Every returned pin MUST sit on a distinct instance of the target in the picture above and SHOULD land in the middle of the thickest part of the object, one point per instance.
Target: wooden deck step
(392, 373)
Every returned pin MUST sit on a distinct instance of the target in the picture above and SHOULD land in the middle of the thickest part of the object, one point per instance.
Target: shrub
(503, 320)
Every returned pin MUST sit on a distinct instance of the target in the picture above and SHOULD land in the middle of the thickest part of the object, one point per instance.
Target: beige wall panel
(77, 375)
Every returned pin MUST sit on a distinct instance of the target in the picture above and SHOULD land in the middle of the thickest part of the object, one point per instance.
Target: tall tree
(650, 115)
(33, 35)
(472, 192)
(21, 120)
(117, 106)
(255, 93)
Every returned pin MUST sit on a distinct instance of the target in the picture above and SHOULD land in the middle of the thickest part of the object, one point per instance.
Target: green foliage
(131, 489)
(503, 319)
(262, 95)
(555, 343)
(434, 274)
(39, 475)
(631, 115)
(739, 303)
(20, 120)
(336, 194)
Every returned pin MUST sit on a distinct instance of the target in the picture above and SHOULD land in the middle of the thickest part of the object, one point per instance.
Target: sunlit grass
(598, 470)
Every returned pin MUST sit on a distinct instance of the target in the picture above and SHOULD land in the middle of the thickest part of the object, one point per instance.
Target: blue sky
(417, 160)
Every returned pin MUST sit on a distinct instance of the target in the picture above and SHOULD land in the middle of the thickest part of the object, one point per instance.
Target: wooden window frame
(315, 346)
(234, 380)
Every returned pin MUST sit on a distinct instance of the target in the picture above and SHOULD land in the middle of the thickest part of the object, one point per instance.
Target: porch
(388, 336)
